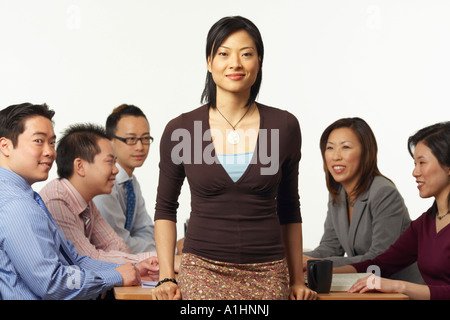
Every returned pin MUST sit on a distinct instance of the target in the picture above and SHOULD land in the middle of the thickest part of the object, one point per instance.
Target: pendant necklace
(233, 136)
(351, 203)
(441, 217)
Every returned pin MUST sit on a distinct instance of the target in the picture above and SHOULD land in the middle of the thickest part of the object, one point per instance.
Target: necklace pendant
(441, 217)
(233, 137)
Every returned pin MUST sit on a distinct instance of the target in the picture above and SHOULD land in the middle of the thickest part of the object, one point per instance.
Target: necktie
(86, 214)
(41, 203)
(131, 202)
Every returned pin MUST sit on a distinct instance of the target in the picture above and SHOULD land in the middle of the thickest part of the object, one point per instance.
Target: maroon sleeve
(400, 255)
(439, 292)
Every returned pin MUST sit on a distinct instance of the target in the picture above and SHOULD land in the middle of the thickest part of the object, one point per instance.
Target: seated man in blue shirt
(36, 261)
(129, 130)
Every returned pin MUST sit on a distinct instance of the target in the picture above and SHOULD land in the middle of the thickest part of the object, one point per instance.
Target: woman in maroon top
(427, 240)
(241, 160)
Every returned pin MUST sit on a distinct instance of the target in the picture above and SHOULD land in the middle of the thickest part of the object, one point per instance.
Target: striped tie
(86, 214)
(131, 202)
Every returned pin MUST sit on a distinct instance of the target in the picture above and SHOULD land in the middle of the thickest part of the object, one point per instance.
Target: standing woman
(366, 213)
(241, 161)
(427, 240)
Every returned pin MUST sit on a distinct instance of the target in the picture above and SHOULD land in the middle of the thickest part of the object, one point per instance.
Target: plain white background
(384, 61)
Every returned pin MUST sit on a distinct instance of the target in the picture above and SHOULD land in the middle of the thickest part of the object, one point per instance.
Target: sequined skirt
(205, 279)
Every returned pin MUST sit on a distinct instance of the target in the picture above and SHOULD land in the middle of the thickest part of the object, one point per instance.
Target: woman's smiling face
(236, 63)
(343, 157)
(432, 178)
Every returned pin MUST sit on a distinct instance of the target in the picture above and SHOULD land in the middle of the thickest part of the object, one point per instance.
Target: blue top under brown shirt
(232, 221)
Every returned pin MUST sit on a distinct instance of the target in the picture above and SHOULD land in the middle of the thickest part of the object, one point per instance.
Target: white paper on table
(148, 284)
(344, 281)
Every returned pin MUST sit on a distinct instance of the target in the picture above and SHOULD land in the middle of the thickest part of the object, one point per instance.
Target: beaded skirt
(204, 279)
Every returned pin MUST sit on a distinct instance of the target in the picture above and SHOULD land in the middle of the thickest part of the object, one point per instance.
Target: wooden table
(139, 293)
(343, 295)
(133, 293)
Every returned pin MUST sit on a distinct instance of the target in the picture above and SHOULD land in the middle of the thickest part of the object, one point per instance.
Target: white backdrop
(385, 61)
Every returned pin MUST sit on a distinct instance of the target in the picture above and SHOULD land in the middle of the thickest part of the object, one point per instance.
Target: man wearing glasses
(124, 208)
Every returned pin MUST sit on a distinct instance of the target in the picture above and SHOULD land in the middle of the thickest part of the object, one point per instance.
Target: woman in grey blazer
(366, 213)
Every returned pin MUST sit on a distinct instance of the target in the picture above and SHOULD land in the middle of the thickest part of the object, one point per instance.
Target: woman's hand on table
(166, 291)
(302, 292)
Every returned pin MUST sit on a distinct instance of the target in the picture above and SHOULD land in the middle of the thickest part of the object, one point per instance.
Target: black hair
(216, 35)
(368, 167)
(12, 118)
(122, 110)
(437, 138)
(78, 141)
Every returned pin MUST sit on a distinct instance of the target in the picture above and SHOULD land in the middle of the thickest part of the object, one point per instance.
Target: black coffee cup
(320, 274)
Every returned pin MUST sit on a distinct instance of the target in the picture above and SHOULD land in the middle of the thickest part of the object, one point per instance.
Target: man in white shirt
(129, 129)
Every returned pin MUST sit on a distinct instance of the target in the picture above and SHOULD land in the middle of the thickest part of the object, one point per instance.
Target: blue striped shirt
(35, 258)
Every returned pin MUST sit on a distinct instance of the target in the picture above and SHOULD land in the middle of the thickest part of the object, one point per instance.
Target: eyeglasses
(132, 141)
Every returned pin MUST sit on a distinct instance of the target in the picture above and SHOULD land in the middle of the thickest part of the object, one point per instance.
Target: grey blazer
(379, 217)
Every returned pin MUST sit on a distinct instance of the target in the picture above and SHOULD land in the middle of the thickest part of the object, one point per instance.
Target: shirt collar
(77, 200)
(16, 179)
(122, 176)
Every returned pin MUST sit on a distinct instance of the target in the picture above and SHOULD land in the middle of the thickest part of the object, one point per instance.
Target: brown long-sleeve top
(236, 222)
